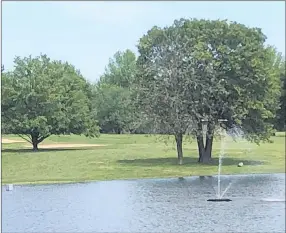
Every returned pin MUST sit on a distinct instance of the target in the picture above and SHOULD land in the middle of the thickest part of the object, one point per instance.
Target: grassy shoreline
(132, 157)
(126, 179)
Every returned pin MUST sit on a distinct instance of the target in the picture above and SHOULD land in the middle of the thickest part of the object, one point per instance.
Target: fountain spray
(221, 154)
(219, 194)
(205, 128)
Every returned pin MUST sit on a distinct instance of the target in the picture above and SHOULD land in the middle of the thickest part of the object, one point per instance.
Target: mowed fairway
(128, 157)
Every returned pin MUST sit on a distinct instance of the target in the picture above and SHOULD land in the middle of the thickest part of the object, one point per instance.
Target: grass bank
(130, 156)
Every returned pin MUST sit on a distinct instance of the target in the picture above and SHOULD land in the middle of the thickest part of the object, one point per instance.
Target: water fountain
(220, 194)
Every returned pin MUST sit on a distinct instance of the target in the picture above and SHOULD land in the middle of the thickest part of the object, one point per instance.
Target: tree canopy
(112, 94)
(113, 104)
(41, 97)
(280, 121)
(208, 69)
(121, 69)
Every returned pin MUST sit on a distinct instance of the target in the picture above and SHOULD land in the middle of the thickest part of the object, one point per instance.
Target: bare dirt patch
(5, 140)
(48, 146)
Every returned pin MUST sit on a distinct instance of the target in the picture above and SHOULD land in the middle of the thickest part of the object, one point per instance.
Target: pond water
(150, 205)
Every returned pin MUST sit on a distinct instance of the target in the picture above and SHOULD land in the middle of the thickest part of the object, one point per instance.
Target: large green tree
(280, 123)
(161, 86)
(212, 70)
(41, 97)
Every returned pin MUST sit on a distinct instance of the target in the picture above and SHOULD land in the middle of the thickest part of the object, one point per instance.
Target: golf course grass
(129, 157)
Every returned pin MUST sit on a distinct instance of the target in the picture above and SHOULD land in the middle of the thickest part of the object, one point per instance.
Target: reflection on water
(155, 205)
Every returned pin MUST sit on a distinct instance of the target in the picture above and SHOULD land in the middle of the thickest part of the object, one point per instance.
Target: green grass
(131, 156)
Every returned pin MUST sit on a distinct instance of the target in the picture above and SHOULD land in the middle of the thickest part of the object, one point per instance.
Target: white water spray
(223, 135)
(221, 155)
(225, 190)
(205, 128)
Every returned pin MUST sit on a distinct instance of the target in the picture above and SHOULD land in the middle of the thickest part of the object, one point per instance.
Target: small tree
(114, 108)
(112, 94)
(41, 97)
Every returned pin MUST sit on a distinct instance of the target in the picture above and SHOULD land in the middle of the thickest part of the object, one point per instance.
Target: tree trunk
(118, 130)
(205, 151)
(179, 142)
(35, 142)
(200, 142)
(209, 146)
(206, 155)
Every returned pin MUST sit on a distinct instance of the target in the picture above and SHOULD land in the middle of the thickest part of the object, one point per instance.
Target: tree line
(186, 72)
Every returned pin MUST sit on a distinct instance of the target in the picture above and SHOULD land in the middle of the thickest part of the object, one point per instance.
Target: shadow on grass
(187, 162)
(28, 150)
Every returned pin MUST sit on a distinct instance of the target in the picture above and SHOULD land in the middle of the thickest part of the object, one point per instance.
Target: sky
(88, 34)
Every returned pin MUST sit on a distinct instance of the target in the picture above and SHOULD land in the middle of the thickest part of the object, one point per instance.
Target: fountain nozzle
(220, 200)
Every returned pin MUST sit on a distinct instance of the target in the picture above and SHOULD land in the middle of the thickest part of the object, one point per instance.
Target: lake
(148, 205)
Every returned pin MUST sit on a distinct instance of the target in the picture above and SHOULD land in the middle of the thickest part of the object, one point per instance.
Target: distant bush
(280, 134)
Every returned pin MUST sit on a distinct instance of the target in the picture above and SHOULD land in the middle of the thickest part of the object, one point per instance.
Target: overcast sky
(87, 34)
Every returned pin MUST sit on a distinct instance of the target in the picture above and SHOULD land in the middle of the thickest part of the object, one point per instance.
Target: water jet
(220, 194)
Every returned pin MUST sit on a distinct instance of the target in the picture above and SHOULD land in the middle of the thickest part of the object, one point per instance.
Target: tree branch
(42, 138)
(25, 138)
